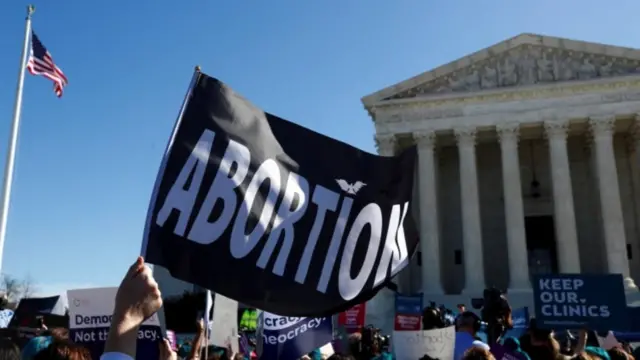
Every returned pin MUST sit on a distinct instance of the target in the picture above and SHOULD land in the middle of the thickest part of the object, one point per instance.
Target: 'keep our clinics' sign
(575, 301)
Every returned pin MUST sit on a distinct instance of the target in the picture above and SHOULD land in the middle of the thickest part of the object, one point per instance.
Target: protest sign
(224, 332)
(408, 312)
(437, 343)
(171, 336)
(90, 315)
(565, 301)
(51, 309)
(295, 214)
(289, 338)
(520, 319)
(352, 319)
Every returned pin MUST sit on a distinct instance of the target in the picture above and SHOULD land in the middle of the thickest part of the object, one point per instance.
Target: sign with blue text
(90, 312)
(568, 301)
(289, 338)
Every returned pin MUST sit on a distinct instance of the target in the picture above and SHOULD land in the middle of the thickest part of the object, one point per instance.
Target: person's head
(468, 322)
(63, 350)
(215, 356)
(539, 343)
(355, 343)
(461, 308)
(619, 354)
(35, 345)
(59, 333)
(431, 318)
(478, 353)
(9, 350)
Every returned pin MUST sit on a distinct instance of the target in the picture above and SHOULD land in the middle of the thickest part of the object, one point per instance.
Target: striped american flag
(41, 63)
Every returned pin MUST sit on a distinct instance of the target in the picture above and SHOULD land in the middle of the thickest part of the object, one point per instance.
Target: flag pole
(207, 308)
(13, 137)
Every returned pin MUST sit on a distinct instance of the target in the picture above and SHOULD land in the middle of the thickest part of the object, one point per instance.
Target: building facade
(528, 163)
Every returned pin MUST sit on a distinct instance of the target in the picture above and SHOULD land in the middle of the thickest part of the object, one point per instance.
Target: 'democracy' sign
(90, 316)
(274, 215)
(289, 338)
(576, 301)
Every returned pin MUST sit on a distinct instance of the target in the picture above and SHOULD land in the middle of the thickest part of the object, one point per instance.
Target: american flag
(41, 63)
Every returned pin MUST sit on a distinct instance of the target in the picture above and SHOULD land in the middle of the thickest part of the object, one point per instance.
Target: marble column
(564, 212)
(508, 134)
(429, 220)
(386, 144)
(470, 204)
(602, 129)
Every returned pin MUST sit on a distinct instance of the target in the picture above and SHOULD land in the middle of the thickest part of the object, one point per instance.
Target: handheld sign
(285, 212)
(576, 301)
(90, 312)
(289, 338)
(437, 343)
(408, 312)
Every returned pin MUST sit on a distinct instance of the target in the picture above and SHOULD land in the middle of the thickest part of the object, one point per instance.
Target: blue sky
(87, 162)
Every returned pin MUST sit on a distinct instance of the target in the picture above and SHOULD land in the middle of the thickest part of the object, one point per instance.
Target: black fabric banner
(274, 215)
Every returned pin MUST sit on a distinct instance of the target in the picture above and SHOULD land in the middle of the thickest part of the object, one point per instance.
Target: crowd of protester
(139, 297)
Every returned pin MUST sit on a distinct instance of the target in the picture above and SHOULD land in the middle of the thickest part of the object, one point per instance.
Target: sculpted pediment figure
(524, 60)
(525, 65)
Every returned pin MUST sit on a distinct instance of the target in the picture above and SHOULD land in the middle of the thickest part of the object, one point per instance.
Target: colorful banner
(90, 313)
(408, 313)
(352, 320)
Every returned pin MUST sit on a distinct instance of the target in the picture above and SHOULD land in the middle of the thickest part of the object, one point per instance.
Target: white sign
(225, 323)
(93, 309)
(438, 343)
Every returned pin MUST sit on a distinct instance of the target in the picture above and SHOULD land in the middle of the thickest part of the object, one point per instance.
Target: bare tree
(12, 287)
(28, 287)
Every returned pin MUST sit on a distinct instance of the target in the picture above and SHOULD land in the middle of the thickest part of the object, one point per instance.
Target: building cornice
(453, 105)
(512, 94)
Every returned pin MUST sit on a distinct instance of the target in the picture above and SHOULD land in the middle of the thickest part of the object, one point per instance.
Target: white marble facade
(528, 162)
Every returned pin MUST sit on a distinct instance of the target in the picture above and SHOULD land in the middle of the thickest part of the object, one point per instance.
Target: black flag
(274, 215)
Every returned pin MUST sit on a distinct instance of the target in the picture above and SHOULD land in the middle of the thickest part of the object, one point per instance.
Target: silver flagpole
(13, 137)
(207, 323)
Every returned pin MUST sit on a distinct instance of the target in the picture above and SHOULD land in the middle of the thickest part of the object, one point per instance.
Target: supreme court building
(528, 163)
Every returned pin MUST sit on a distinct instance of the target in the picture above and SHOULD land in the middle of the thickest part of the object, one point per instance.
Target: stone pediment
(524, 60)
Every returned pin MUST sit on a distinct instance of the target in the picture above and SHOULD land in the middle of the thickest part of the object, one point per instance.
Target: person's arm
(582, 342)
(122, 340)
(137, 299)
(196, 347)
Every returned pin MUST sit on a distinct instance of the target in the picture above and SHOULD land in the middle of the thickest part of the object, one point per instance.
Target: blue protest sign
(520, 318)
(90, 319)
(565, 301)
(409, 304)
(289, 338)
